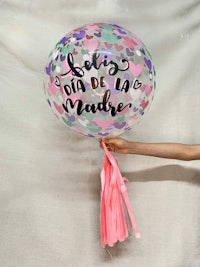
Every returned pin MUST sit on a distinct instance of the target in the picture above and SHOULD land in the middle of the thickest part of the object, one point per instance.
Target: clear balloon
(100, 80)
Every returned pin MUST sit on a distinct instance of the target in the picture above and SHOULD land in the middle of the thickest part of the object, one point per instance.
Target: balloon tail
(116, 215)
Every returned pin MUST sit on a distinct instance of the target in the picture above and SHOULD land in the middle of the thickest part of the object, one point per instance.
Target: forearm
(165, 150)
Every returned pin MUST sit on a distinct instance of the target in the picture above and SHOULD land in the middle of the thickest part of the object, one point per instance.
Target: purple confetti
(89, 135)
(103, 134)
(119, 125)
(129, 52)
(62, 58)
(79, 35)
(126, 76)
(121, 31)
(148, 63)
(97, 34)
(48, 68)
(70, 118)
(63, 40)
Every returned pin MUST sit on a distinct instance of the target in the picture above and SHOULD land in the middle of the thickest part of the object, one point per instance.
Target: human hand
(116, 144)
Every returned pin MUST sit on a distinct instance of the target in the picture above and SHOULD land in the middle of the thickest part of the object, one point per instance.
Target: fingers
(110, 147)
(103, 139)
(107, 142)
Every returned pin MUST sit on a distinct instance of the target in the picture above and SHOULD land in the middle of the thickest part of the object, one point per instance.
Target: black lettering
(94, 82)
(113, 67)
(137, 84)
(125, 86)
(105, 105)
(80, 86)
(67, 89)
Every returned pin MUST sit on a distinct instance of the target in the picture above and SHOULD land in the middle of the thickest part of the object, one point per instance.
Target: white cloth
(49, 177)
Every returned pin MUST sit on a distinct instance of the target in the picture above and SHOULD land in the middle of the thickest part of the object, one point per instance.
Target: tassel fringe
(116, 215)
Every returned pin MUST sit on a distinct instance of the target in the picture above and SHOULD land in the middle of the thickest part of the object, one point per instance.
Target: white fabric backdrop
(49, 177)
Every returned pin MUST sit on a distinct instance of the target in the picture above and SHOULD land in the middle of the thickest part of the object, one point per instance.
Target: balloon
(100, 80)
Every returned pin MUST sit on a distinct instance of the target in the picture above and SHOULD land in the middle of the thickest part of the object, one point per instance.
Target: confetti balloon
(100, 80)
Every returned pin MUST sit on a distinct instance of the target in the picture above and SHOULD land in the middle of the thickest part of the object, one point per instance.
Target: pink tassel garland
(116, 215)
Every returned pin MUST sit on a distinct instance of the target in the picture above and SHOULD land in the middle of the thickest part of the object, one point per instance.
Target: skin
(161, 150)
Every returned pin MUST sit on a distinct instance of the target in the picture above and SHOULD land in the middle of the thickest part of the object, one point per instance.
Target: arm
(166, 150)
(163, 150)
